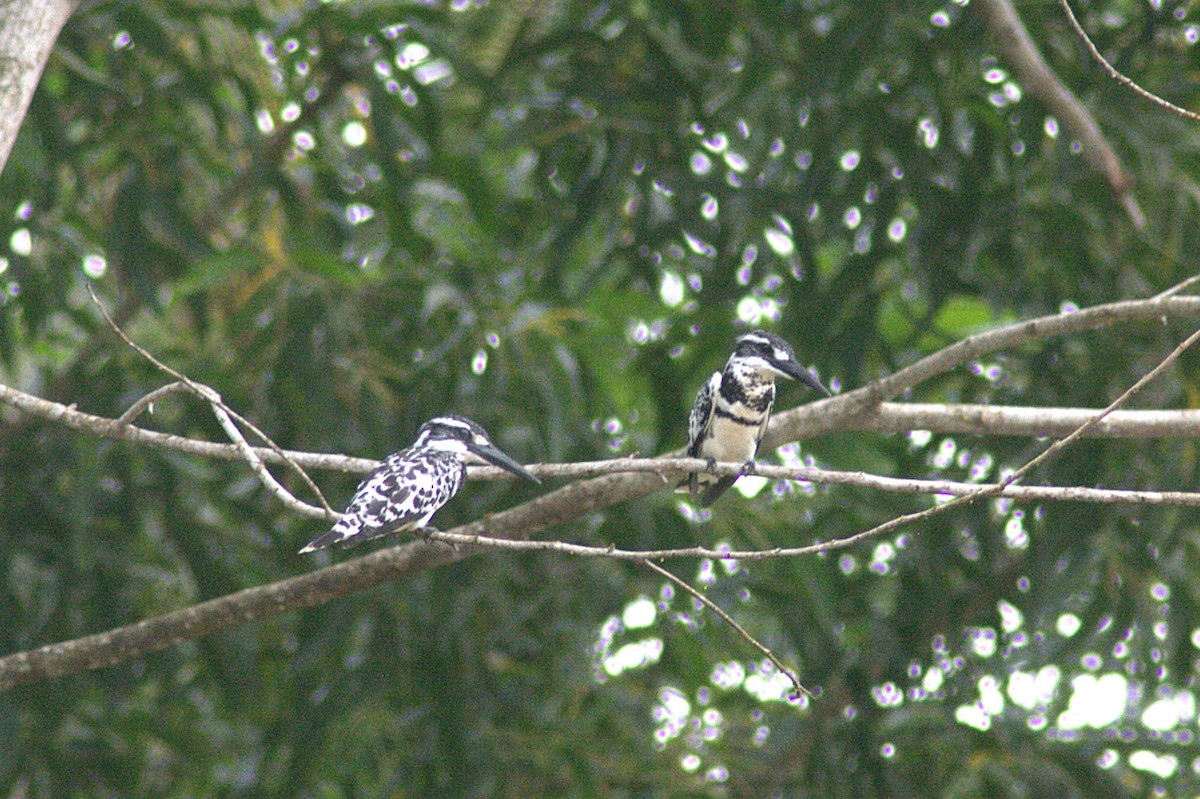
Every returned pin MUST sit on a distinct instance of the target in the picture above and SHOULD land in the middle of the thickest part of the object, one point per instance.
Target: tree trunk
(28, 30)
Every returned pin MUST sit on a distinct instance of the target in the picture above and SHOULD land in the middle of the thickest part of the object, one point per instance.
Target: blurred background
(555, 217)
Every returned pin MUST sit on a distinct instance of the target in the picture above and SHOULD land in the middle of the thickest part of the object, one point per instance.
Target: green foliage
(554, 218)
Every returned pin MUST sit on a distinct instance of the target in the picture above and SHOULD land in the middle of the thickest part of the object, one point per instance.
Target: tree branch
(1001, 420)
(862, 409)
(137, 640)
(1019, 50)
(225, 417)
(825, 415)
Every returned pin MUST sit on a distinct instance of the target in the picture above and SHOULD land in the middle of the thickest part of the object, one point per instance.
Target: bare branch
(1019, 50)
(887, 418)
(798, 688)
(1007, 420)
(1050, 451)
(1112, 406)
(104, 427)
(147, 401)
(247, 453)
(828, 414)
(1118, 76)
(673, 468)
(864, 408)
(256, 465)
(1186, 283)
(136, 640)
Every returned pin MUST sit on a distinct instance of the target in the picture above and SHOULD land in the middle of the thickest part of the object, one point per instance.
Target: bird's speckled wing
(401, 493)
(699, 422)
(700, 419)
(762, 428)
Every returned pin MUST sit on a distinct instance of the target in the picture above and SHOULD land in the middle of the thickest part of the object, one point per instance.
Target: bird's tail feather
(715, 490)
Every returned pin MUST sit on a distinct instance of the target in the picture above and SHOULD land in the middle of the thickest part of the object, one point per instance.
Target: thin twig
(210, 395)
(1049, 452)
(797, 687)
(1178, 287)
(257, 466)
(247, 452)
(890, 485)
(1116, 74)
(147, 400)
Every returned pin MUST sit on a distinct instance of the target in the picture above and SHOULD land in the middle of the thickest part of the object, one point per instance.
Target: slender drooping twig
(1117, 75)
(146, 401)
(797, 687)
(247, 452)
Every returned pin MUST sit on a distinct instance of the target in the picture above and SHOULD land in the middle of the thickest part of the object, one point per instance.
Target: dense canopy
(555, 218)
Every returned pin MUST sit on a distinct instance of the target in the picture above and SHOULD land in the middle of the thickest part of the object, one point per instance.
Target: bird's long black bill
(812, 382)
(499, 458)
(798, 372)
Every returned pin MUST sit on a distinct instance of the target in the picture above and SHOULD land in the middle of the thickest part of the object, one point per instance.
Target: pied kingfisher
(732, 410)
(404, 491)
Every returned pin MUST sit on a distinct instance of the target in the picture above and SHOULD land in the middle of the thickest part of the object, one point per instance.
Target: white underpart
(730, 442)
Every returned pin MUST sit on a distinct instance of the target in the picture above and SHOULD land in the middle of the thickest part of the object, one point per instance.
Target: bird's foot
(426, 532)
(749, 467)
(712, 465)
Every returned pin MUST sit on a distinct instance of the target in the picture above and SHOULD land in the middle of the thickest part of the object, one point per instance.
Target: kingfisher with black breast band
(730, 416)
(403, 492)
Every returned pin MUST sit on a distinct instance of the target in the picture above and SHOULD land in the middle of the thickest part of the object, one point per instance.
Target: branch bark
(124, 643)
(1002, 420)
(136, 640)
(826, 415)
(28, 31)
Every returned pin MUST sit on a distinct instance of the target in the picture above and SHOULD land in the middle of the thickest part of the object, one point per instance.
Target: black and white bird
(732, 410)
(403, 492)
